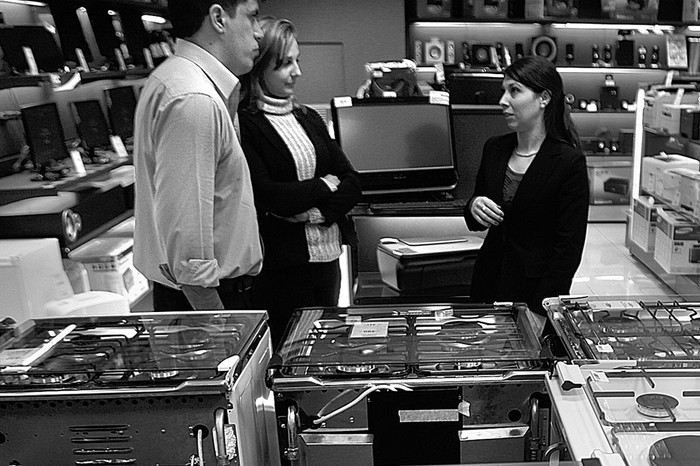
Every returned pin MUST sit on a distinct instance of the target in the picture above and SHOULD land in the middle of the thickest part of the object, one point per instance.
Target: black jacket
(536, 250)
(278, 190)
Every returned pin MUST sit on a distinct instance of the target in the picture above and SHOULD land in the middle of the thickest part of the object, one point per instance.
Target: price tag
(599, 376)
(118, 146)
(77, 160)
(345, 101)
(439, 98)
(370, 330)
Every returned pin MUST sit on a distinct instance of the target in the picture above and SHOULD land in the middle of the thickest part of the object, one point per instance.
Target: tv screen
(121, 104)
(91, 123)
(45, 137)
(47, 54)
(397, 145)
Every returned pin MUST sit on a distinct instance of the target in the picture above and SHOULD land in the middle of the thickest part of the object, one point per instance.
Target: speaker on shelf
(625, 53)
(434, 51)
(481, 55)
(544, 46)
(569, 54)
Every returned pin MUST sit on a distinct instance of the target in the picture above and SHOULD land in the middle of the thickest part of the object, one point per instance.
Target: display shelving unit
(647, 141)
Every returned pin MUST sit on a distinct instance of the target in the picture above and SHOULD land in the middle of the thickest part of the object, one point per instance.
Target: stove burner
(191, 344)
(356, 368)
(656, 405)
(621, 324)
(163, 374)
(680, 450)
(457, 336)
(458, 366)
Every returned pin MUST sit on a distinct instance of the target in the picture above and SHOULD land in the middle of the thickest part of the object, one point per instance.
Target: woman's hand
(486, 212)
(332, 181)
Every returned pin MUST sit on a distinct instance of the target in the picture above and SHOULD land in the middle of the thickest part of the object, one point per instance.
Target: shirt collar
(223, 79)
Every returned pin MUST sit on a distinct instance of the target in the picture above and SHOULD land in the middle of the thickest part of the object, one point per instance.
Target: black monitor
(44, 132)
(121, 104)
(397, 145)
(47, 54)
(475, 88)
(91, 124)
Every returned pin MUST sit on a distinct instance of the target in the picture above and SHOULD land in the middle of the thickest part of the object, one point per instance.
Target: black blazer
(278, 190)
(536, 250)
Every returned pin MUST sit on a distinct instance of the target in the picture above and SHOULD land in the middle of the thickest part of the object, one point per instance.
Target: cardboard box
(690, 192)
(110, 266)
(660, 112)
(610, 181)
(654, 167)
(677, 243)
(644, 218)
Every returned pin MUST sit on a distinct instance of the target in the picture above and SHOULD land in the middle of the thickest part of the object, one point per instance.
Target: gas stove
(365, 384)
(412, 343)
(661, 333)
(634, 387)
(146, 388)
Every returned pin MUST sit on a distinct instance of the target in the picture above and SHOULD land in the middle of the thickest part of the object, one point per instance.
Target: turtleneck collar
(275, 105)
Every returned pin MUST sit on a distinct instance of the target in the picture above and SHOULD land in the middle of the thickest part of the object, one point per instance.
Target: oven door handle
(292, 450)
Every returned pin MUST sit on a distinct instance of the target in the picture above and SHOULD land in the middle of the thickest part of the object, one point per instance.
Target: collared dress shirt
(195, 216)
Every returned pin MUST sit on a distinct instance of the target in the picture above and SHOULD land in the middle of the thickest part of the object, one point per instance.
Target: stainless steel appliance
(411, 384)
(153, 388)
(632, 395)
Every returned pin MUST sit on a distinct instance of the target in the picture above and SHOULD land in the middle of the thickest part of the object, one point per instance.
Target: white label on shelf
(77, 160)
(604, 348)
(29, 56)
(353, 320)
(118, 146)
(439, 98)
(370, 330)
(345, 101)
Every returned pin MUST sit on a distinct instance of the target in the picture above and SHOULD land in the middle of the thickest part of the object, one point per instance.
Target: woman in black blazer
(303, 183)
(531, 194)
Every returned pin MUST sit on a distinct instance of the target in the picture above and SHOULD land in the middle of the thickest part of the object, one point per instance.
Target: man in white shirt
(196, 233)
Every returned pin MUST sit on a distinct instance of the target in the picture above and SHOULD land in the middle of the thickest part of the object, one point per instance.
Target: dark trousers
(235, 293)
(280, 291)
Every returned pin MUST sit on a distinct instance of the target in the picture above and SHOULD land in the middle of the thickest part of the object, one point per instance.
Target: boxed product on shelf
(653, 168)
(644, 218)
(662, 109)
(690, 192)
(632, 10)
(110, 266)
(671, 191)
(677, 243)
(609, 181)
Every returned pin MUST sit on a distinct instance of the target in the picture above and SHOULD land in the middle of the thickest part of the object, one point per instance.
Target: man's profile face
(242, 35)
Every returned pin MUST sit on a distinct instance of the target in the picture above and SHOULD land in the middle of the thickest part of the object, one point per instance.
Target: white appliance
(90, 303)
(31, 274)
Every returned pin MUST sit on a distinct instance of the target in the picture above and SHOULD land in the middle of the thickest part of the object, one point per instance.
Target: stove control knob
(72, 224)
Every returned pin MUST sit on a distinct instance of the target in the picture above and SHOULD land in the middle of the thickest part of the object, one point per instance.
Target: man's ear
(218, 17)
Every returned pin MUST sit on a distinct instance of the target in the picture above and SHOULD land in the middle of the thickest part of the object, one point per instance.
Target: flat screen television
(121, 105)
(44, 133)
(397, 145)
(91, 123)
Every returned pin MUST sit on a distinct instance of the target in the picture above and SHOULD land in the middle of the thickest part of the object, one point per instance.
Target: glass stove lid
(396, 340)
(135, 349)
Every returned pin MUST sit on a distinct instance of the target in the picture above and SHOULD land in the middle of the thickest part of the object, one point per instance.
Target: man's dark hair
(187, 16)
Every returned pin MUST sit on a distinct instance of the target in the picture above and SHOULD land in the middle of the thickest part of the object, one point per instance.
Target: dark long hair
(539, 74)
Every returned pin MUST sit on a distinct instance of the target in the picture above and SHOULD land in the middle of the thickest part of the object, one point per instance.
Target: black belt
(237, 285)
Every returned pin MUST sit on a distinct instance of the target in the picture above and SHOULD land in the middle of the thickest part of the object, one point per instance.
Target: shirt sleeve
(188, 133)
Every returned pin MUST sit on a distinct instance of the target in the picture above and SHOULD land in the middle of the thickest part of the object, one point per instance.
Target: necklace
(523, 155)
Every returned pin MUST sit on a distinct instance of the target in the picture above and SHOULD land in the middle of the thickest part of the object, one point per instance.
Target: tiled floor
(608, 268)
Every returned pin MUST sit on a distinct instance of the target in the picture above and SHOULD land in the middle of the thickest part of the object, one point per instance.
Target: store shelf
(681, 284)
